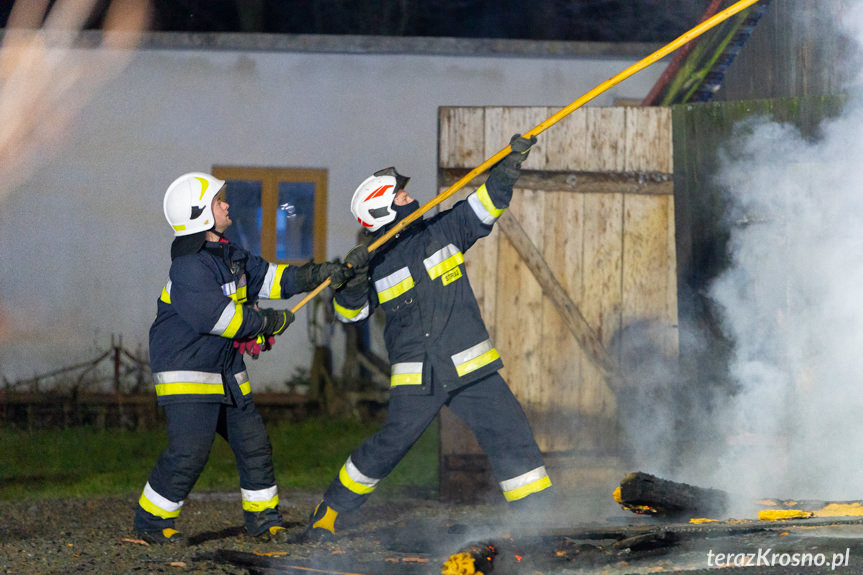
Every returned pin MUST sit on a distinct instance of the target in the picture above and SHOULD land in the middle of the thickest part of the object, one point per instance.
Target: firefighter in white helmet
(207, 318)
(439, 349)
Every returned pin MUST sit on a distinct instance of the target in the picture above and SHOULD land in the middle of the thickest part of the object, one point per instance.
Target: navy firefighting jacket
(206, 305)
(433, 322)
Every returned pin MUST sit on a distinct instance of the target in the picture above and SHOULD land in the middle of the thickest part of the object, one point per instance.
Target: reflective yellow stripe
(475, 363)
(166, 293)
(190, 388)
(354, 480)
(406, 373)
(256, 506)
(485, 199)
(150, 507)
(351, 315)
(236, 322)
(243, 381)
(436, 270)
(154, 503)
(394, 285)
(396, 290)
(532, 487)
(230, 289)
(406, 379)
(272, 288)
(482, 206)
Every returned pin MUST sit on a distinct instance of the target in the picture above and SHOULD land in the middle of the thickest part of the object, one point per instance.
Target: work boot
(167, 536)
(322, 524)
(274, 534)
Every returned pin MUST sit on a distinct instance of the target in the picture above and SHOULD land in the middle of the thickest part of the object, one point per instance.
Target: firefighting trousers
(192, 428)
(489, 409)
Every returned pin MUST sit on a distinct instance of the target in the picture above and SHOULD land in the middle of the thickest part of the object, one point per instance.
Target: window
(279, 213)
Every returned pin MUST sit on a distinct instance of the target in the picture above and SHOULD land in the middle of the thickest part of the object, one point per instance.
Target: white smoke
(792, 302)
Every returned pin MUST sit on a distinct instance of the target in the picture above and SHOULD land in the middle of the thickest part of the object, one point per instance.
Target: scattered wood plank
(644, 493)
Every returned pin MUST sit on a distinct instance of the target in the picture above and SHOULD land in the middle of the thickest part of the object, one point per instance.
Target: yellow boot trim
(328, 521)
(168, 532)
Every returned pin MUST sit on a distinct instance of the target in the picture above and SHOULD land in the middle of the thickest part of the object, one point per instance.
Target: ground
(401, 534)
(415, 535)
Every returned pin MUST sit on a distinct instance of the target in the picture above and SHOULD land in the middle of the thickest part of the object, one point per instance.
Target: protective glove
(358, 256)
(311, 275)
(256, 345)
(506, 172)
(276, 321)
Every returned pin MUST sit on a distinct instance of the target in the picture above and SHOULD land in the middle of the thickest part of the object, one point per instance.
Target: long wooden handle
(613, 81)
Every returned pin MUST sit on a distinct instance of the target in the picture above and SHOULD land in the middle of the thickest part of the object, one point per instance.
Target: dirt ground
(410, 535)
(399, 535)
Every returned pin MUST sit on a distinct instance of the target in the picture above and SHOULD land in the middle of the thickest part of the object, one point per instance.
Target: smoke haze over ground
(791, 302)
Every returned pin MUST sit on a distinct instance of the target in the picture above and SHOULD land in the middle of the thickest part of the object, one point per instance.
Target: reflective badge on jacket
(451, 276)
(237, 291)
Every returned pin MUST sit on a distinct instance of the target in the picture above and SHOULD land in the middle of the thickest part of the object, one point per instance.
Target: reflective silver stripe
(484, 210)
(406, 367)
(353, 480)
(347, 315)
(161, 502)
(189, 376)
(526, 484)
(259, 494)
(472, 352)
(392, 280)
(272, 288)
(524, 479)
(437, 264)
(357, 476)
(242, 377)
(229, 288)
(393, 285)
(406, 373)
(269, 280)
(224, 321)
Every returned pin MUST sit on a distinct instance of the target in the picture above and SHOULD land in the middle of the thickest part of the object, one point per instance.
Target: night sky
(572, 20)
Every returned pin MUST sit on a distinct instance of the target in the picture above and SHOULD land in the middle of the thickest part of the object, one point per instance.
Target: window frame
(270, 178)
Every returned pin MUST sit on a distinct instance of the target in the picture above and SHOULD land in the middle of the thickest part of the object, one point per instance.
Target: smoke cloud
(791, 303)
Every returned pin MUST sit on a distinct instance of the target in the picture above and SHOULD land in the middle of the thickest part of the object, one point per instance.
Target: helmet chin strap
(218, 234)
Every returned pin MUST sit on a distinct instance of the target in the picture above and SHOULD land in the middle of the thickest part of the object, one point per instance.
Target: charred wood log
(644, 493)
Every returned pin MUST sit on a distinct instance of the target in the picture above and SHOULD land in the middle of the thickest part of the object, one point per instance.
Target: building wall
(84, 244)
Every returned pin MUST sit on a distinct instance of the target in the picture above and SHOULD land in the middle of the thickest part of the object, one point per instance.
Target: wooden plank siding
(596, 201)
(798, 49)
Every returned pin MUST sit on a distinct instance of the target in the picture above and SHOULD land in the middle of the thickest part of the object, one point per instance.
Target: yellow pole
(613, 81)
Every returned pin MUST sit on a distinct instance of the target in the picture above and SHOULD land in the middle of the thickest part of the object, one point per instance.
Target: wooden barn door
(585, 250)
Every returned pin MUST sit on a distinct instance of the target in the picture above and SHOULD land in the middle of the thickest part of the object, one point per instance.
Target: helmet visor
(401, 181)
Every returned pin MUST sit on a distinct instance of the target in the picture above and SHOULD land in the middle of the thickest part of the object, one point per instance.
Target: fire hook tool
(613, 81)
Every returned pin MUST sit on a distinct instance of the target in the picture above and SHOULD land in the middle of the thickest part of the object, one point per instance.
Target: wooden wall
(797, 49)
(596, 205)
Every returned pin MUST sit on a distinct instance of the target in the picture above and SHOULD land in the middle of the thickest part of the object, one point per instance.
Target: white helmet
(373, 199)
(188, 203)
